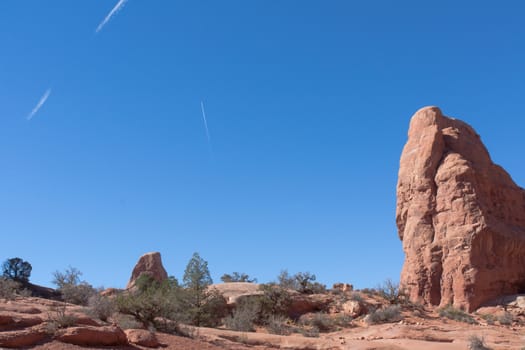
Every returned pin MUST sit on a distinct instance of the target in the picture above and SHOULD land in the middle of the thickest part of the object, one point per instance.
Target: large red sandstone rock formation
(149, 264)
(461, 217)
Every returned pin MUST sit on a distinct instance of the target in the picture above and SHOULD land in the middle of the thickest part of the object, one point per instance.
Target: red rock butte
(461, 218)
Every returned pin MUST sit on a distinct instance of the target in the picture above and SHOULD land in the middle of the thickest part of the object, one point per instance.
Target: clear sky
(307, 105)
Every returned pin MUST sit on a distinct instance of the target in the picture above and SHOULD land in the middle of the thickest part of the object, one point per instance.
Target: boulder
(354, 308)
(149, 264)
(142, 337)
(461, 218)
(93, 336)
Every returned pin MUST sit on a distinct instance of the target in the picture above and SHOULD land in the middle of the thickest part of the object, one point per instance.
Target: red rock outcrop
(149, 264)
(461, 217)
(93, 336)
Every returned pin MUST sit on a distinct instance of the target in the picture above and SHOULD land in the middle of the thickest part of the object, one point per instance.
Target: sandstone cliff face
(461, 218)
(149, 264)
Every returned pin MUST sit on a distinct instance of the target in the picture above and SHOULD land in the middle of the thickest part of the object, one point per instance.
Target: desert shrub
(72, 289)
(489, 318)
(452, 313)
(237, 277)
(243, 316)
(101, 307)
(278, 324)
(388, 314)
(356, 296)
(303, 282)
(59, 317)
(152, 299)
(275, 301)
(17, 270)
(477, 343)
(343, 320)
(392, 292)
(506, 319)
(322, 321)
(310, 332)
(8, 288)
(369, 291)
(127, 322)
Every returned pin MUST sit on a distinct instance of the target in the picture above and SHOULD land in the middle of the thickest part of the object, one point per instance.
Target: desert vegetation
(293, 304)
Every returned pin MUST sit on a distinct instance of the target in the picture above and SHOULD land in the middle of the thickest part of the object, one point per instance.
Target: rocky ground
(39, 324)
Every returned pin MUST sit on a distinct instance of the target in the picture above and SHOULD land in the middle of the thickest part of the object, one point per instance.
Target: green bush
(390, 313)
(452, 313)
(152, 299)
(275, 301)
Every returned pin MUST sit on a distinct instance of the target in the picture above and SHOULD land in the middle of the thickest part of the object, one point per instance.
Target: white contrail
(39, 105)
(205, 123)
(115, 9)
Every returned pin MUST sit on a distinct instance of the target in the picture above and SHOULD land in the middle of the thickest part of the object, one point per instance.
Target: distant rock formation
(461, 217)
(148, 264)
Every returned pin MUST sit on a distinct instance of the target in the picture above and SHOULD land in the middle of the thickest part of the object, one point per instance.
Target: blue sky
(307, 103)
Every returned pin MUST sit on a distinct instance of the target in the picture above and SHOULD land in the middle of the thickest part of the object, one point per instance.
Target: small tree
(303, 282)
(73, 290)
(17, 270)
(151, 300)
(204, 307)
(237, 277)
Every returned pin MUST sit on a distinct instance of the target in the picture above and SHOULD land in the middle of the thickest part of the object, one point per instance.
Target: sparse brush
(244, 316)
(506, 319)
(452, 313)
(310, 332)
(60, 318)
(321, 321)
(356, 296)
(8, 288)
(477, 343)
(390, 313)
(392, 292)
(101, 307)
(279, 325)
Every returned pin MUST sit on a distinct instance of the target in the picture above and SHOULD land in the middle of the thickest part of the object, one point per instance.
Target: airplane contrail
(115, 9)
(39, 105)
(205, 123)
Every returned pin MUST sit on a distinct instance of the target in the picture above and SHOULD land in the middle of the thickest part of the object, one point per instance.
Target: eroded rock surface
(461, 217)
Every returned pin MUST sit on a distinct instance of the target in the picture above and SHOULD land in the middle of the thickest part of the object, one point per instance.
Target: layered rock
(149, 264)
(461, 217)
